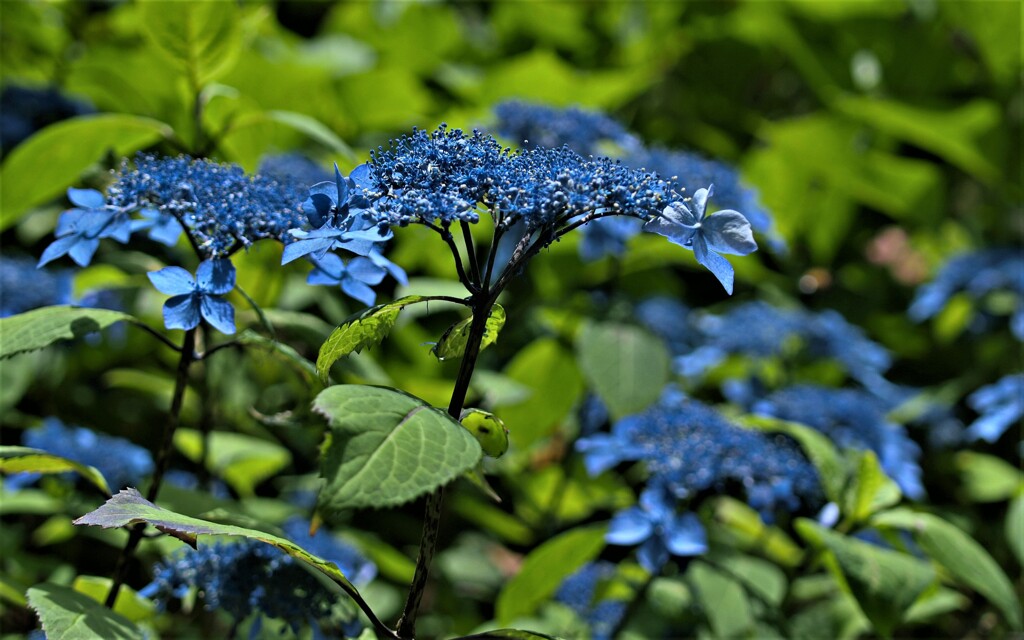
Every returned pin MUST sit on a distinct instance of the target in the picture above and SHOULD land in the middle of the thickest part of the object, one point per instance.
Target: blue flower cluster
(999, 406)
(976, 274)
(193, 299)
(852, 419)
(768, 331)
(25, 110)
(23, 287)
(689, 448)
(658, 529)
(121, 462)
(253, 577)
(579, 592)
(221, 207)
(592, 133)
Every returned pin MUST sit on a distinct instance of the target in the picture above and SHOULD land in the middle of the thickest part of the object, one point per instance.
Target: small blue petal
(216, 276)
(359, 291)
(83, 250)
(173, 281)
(86, 198)
(219, 313)
(714, 262)
(364, 270)
(182, 312)
(629, 527)
(686, 536)
(57, 248)
(729, 232)
(652, 554)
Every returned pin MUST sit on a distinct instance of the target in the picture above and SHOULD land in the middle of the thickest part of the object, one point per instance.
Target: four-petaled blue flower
(659, 528)
(355, 278)
(197, 297)
(337, 212)
(999, 406)
(724, 232)
(79, 230)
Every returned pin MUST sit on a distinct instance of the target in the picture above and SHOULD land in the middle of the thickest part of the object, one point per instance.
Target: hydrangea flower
(79, 230)
(852, 419)
(606, 237)
(122, 463)
(999, 406)
(253, 577)
(355, 278)
(162, 226)
(658, 529)
(977, 274)
(724, 232)
(578, 592)
(23, 287)
(689, 448)
(197, 298)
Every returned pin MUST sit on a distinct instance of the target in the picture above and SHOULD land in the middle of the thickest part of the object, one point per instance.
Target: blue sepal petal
(57, 248)
(714, 262)
(686, 536)
(174, 281)
(86, 198)
(182, 312)
(729, 232)
(216, 276)
(629, 527)
(83, 250)
(359, 291)
(219, 313)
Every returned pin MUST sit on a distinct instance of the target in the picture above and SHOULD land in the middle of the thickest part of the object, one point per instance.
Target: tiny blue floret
(197, 298)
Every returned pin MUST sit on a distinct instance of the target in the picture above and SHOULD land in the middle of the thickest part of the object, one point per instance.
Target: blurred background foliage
(884, 136)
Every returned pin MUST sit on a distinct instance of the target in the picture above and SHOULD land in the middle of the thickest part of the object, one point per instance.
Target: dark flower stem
(482, 304)
(163, 457)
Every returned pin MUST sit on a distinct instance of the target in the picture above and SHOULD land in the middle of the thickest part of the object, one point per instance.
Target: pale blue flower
(658, 529)
(355, 278)
(724, 232)
(199, 297)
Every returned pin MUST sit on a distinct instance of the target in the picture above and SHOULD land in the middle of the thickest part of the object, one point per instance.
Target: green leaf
(935, 602)
(549, 371)
(960, 554)
(242, 461)
(453, 343)
(544, 569)
(743, 529)
(129, 603)
(986, 478)
(385, 448)
(362, 330)
(283, 352)
(129, 507)
(884, 583)
(507, 634)
(69, 615)
(627, 366)
(1015, 528)
(724, 600)
(40, 328)
(53, 159)
(870, 490)
(817, 446)
(201, 38)
(313, 128)
(27, 460)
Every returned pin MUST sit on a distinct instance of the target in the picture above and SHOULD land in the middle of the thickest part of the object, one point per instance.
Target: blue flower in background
(355, 278)
(199, 297)
(24, 287)
(976, 274)
(689, 448)
(252, 577)
(853, 419)
(724, 232)
(292, 168)
(80, 230)
(607, 237)
(25, 110)
(999, 406)
(163, 227)
(658, 529)
(190, 481)
(121, 462)
(588, 133)
(579, 590)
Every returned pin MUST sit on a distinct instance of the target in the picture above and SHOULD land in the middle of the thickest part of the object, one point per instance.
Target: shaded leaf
(385, 448)
(627, 366)
(544, 569)
(28, 460)
(243, 461)
(723, 599)
(202, 38)
(42, 327)
(69, 615)
(870, 490)
(960, 554)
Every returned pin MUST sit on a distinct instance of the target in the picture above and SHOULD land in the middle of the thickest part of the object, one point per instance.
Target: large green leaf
(27, 460)
(53, 159)
(1014, 528)
(885, 583)
(626, 365)
(548, 370)
(960, 554)
(724, 601)
(385, 448)
(129, 603)
(741, 527)
(362, 330)
(69, 615)
(986, 478)
(242, 461)
(201, 38)
(870, 490)
(453, 343)
(129, 507)
(544, 569)
(40, 328)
